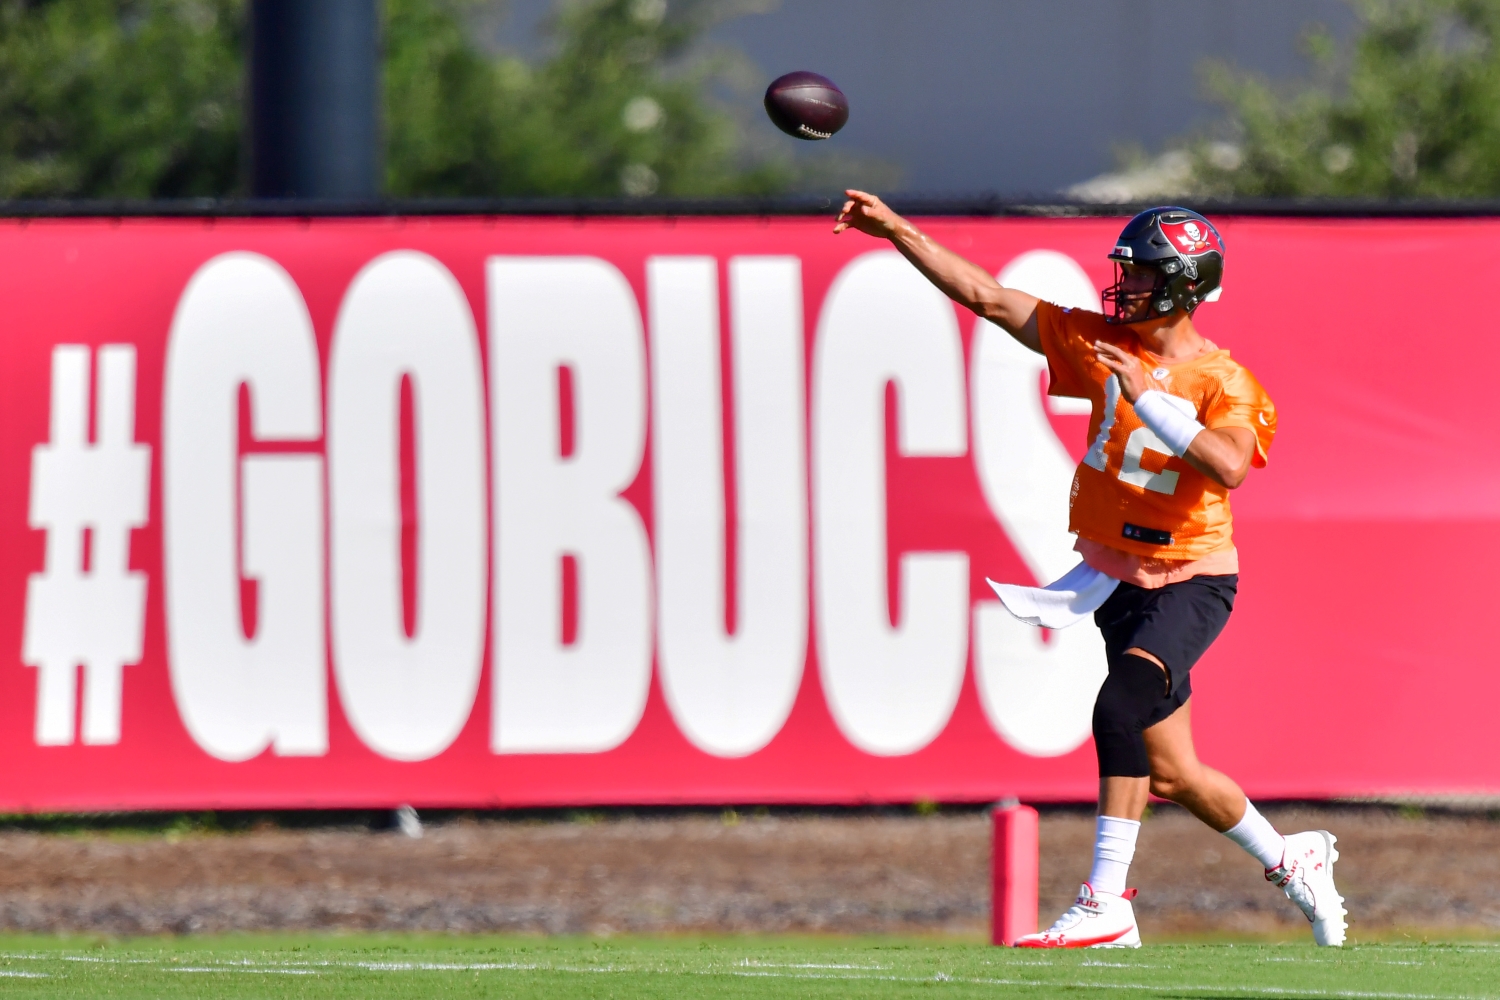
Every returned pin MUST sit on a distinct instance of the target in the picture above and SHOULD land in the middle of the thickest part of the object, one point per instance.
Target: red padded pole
(1014, 872)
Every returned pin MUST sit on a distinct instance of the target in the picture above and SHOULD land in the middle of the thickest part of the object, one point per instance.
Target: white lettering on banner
(730, 694)
(1038, 695)
(405, 315)
(891, 689)
(241, 320)
(586, 696)
(86, 606)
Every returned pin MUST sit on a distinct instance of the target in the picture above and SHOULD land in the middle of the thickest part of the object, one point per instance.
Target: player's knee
(1115, 711)
(1175, 779)
(1118, 738)
(1127, 699)
(1176, 773)
(1168, 786)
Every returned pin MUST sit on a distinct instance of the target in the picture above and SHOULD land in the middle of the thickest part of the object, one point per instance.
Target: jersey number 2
(1139, 442)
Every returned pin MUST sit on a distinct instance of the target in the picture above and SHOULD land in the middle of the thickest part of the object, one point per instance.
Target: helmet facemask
(1141, 303)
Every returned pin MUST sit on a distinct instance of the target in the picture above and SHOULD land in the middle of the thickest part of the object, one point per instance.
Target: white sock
(1114, 846)
(1258, 837)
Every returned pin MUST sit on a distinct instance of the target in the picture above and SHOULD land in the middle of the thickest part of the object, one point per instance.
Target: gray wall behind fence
(1008, 96)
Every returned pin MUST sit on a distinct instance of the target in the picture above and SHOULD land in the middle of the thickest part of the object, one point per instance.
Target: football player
(1176, 425)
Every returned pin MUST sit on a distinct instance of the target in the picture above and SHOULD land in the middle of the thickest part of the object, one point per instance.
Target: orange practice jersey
(1130, 492)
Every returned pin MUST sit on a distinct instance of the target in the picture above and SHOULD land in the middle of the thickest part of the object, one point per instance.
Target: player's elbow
(992, 312)
(1229, 471)
(1239, 474)
(1000, 313)
(1227, 456)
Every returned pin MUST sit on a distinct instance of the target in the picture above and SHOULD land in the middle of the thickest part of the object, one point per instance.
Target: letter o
(405, 315)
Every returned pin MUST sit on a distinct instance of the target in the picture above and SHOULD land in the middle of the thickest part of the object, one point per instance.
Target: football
(806, 105)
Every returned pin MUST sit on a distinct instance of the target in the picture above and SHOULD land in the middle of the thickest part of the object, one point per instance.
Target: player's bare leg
(1124, 798)
(1103, 910)
(1178, 776)
(1301, 864)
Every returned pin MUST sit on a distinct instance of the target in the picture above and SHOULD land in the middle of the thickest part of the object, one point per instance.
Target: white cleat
(1306, 876)
(1095, 920)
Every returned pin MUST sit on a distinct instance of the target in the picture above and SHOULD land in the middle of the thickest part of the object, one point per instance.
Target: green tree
(605, 115)
(144, 98)
(1411, 110)
(446, 105)
(111, 99)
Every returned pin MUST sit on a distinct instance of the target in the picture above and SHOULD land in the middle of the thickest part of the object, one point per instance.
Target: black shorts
(1176, 624)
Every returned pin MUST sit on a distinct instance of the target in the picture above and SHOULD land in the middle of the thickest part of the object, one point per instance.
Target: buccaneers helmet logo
(1191, 237)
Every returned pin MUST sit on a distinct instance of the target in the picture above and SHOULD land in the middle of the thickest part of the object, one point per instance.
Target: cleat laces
(1288, 878)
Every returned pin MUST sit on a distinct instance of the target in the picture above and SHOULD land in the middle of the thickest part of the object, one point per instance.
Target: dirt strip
(696, 872)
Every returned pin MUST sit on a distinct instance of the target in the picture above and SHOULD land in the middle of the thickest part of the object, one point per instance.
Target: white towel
(1063, 602)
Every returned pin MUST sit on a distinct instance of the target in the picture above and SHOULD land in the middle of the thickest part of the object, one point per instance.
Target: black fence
(980, 206)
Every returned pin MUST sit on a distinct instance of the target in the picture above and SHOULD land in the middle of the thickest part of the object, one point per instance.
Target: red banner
(479, 512)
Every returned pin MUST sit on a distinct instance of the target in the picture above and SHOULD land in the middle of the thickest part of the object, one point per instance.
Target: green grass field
(370, 966)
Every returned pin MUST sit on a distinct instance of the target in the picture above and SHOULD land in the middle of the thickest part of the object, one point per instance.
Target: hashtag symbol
(86, 607)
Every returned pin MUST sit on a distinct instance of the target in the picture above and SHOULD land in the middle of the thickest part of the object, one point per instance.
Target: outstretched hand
(965, 282)
(868, 214)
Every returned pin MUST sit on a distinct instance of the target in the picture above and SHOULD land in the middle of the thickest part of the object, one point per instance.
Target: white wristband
(1170, 418)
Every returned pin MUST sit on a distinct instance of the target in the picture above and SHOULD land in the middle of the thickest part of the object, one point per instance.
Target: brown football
(806, 105)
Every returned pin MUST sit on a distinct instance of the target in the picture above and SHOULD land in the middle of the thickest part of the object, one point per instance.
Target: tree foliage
(144, 99)
(1410, 110)
(604, 115)
(125, 100)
